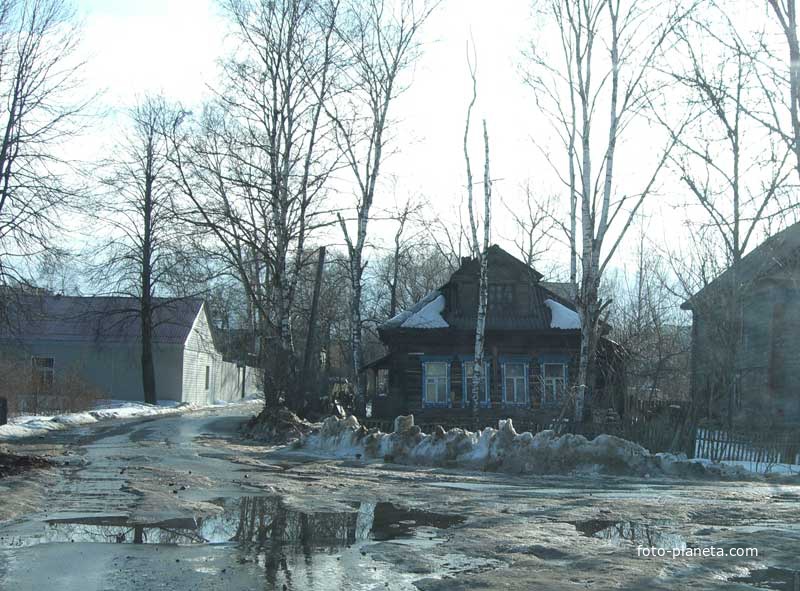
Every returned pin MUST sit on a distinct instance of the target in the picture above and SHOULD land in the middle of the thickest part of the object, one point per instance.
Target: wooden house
(746, 335)
(532, 342)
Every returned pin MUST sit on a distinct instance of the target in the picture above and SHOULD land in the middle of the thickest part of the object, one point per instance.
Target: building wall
(766, 364)
(201, 363)
(224, 379)
(405, 374)
(114, 368)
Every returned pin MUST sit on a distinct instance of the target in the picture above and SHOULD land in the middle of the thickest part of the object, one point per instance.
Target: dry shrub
(70, 392)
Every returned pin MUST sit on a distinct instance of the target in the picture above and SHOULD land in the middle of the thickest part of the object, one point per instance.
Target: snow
(562, 317)
(429, 316)
(32, 426)
(504, 450)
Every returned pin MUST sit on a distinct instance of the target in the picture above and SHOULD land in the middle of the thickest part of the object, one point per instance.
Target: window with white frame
(554, 382)
(42, 374)
(436, 377)
(382, 382)
(515, 382)
(483, 395)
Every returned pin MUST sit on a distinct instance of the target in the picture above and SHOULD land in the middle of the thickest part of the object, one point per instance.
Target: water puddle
(620, 532)
(772, 578)
(258, 539)
(243, 521)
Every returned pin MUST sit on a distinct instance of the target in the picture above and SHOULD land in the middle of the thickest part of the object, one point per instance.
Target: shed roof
(92, 319)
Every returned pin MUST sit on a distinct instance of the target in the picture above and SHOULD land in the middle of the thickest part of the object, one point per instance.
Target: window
(382, 382)
(208, 376)
(42, 374)
(466, 383)
(501, 297)
(554, 381)
(515, 383)
(436, 383)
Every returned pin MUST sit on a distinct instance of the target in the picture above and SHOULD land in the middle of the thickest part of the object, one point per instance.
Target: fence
(760, 447)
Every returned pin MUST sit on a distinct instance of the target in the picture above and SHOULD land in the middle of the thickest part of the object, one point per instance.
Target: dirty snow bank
(504, 450)
(31, 426)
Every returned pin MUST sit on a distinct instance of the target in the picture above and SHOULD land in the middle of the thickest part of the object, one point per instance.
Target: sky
(172, 47)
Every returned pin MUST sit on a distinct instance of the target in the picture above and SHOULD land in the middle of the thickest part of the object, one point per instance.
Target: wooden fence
(760, 447)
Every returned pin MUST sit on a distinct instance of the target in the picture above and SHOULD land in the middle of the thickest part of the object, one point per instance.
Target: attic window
(501, 297)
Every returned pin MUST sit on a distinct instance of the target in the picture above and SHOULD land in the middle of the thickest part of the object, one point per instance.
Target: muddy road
(181, 502)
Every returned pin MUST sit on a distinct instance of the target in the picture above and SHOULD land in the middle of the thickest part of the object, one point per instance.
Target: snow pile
(429, 316)
(502, 449)
(562, 317)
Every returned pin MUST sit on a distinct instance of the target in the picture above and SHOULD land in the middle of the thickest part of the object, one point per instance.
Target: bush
(70, 391)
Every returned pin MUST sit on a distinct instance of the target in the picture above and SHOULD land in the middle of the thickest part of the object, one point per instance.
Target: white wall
(199, 353)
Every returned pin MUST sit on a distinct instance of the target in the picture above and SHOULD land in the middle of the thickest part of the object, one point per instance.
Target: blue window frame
(467, 364)
(555, 378)
(436, 382)
(516, 391)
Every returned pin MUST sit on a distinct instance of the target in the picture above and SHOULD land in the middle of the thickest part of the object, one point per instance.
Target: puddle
(244, 521)
(367, 546)
(619, 532)
(772, 578)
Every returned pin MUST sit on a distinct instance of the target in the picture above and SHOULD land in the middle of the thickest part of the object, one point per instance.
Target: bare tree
(534, 225)
(785, 12)
(479, 251)
(39, 82)
(734, 172)
(254, 169)
(381, 41)
(144, 255)
(607, 56)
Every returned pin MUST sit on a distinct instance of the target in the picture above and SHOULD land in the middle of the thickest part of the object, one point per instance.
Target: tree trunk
(146, 303)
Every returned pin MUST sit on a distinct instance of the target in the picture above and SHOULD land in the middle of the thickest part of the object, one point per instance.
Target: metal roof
(94, 319)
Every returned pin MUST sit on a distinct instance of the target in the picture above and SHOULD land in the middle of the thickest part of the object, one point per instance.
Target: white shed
(99, 338)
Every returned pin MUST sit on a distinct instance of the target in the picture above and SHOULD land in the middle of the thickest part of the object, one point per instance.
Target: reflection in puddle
(245, 521)
(629, 531)
(290, 549)
(772, 578)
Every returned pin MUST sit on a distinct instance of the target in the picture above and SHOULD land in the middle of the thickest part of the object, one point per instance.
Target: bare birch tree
(479, 251)
(785, 12)
(381, 40)
(608, 50)
(255, 166)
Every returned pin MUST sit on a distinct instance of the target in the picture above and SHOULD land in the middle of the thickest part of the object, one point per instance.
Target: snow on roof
(429, 316)
(562, 317)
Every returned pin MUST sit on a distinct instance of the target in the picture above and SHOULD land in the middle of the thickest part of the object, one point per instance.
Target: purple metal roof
(109, 319)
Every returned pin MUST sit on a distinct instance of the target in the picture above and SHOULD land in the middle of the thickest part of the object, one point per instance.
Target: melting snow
(562, 317)
(31, 426)
(429, 316)
(505, 450)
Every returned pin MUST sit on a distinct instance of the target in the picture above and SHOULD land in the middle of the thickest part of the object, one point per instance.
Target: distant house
(745, 360)
(532, 347)
(99, 339)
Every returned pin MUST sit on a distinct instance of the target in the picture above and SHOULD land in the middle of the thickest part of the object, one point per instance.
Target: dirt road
(181, 502)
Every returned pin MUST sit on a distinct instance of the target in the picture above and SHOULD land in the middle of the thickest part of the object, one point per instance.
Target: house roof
(108, 319)
(771, 255)
(430, 312)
